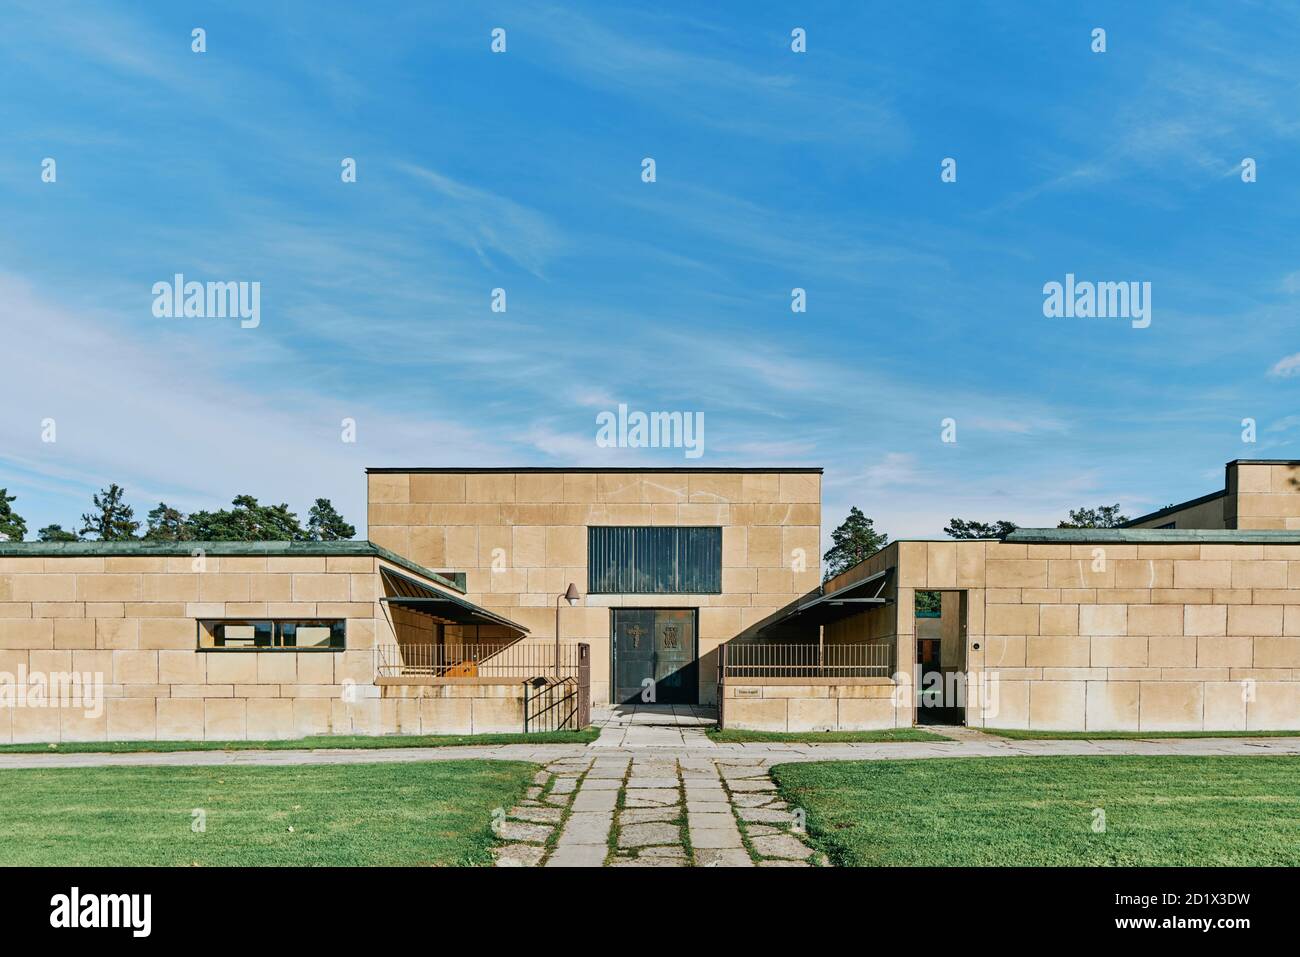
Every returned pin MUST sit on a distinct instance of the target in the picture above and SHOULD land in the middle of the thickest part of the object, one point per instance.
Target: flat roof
(532, 469)
(142, 548)
(1171, 509)
(1154, 536)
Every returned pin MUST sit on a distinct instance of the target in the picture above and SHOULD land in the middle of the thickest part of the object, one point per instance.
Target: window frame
(276, 635)
(594, 587)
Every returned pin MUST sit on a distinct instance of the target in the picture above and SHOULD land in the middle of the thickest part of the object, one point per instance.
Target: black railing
(553, 705)
(517, 660)
(754, 660)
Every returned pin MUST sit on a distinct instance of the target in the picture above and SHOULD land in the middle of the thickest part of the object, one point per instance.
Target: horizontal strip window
(654, 560)
(268, 634)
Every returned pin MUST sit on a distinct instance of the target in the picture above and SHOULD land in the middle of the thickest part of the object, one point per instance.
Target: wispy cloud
(188, 429)
(1286, 367)
(790, 104)
(485, 221)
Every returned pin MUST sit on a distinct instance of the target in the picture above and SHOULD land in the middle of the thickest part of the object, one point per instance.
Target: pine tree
(855, 540)
(113, 520)
(247, 521)
(167, 524)
(1104, 516)
(961, 528)
(13, 527)
(325, 524)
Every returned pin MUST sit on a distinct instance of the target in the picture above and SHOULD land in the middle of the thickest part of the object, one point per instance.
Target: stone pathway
(654, 726)
(964, 744)
(648, 810)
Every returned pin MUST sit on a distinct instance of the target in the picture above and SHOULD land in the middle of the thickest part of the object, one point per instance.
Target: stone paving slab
(522, 831)
(645, 815)
(782, 845)
(724, 820)
(519, 855)
(707, 807)
(637, 781)
(577, 855)
(640, 835)
(716, 838)
(650, 862)
(765, 815)
(537, 815)
(594, 800)
(723, 857)
(650, 797)
(587, 827)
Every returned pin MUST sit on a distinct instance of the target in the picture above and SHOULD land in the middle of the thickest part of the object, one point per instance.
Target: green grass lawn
(315, 743)
(822, 737)
(1020, 734)
(1038, 811)
(434, 813)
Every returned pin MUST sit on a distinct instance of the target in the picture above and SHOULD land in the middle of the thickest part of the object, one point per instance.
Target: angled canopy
(843, 602)
(406, 592)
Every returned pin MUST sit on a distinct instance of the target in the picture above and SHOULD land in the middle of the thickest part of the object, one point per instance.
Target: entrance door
(941, 662)
(655, 646)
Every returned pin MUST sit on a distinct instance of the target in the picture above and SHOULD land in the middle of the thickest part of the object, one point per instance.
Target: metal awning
(409, 593)
(844, 602)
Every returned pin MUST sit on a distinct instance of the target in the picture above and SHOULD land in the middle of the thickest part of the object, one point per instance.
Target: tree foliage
(1103, 516)
(167, 524)
(961, 528)
(855, 540)
(112, 519)
(13, 526)
(247, 521)
(325, 524)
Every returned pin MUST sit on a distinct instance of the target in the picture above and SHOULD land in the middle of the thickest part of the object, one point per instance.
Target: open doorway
(940, 657)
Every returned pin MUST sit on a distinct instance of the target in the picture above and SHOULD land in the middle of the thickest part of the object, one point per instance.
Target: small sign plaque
(747, 692)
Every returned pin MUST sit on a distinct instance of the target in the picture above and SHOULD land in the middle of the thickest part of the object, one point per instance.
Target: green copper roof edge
(1155, 536)
(396, 559)
(339, 549)
(596, 470)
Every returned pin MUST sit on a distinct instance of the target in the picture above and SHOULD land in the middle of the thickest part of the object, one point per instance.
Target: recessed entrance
(941, 657)
(654, 648)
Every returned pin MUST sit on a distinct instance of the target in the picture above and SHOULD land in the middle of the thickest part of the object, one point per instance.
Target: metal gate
(560, 703)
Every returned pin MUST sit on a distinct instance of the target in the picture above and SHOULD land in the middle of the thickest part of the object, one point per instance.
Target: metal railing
(516, 660)
(551, 705)
(754, 660)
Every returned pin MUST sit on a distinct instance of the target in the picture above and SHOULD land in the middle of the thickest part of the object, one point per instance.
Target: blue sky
(775, 170)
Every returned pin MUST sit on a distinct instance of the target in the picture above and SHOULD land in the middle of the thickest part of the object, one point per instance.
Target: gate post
(722, 681)
(584, 686)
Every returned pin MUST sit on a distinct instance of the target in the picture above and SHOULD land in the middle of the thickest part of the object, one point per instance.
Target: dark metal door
(633, 652)
(655, 646)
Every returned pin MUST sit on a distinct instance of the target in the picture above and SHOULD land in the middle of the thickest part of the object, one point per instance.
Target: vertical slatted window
(654, 560)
